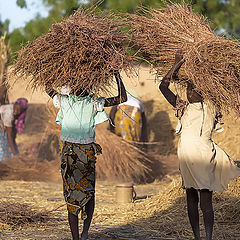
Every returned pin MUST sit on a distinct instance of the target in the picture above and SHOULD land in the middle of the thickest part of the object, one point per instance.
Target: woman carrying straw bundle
(78, 114)
(203, 165)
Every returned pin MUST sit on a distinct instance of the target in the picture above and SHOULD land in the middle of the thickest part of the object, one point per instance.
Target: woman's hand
(122, 95)
(171, 75)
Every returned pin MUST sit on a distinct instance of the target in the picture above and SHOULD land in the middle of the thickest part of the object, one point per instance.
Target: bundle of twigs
(83, 50)
(212, 62)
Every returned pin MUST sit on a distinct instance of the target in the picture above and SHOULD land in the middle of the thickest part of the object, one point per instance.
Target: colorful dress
(128, 119)
(202, 163)
(78, 117)
(7, 117)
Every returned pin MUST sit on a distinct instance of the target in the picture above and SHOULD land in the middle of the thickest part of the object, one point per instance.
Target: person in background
(128, 119)
(11, 123)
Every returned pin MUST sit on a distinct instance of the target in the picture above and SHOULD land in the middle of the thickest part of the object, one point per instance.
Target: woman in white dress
(203, 165)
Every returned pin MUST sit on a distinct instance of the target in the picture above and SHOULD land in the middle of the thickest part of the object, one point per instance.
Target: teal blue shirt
(78, 117)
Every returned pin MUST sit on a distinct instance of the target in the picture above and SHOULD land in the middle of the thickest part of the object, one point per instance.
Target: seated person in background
(128, 119)
(12, 121)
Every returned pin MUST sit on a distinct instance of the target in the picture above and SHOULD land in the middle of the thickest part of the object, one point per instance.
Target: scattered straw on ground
(16, 214)
(162, 216)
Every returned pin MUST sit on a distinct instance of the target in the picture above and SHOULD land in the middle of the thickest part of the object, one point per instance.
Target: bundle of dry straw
(212, 62)
(83, 50)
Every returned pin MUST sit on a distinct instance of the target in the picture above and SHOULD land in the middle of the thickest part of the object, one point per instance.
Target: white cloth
(202, 163)
(65, 89)
(6, 112)
(131, 101)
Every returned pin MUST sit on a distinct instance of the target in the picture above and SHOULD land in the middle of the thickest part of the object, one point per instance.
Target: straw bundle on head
(83, 50)
(212, 62)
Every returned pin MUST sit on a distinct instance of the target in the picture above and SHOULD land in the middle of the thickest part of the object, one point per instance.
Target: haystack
(122, 160)
(83, 50)
(212, 61)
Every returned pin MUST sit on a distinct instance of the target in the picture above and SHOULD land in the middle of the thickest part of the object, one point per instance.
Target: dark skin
(192, 194)
(89, 207)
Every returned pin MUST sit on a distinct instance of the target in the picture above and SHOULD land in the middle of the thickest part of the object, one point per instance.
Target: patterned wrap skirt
(128, 123)
(78, 174)
(4, 146)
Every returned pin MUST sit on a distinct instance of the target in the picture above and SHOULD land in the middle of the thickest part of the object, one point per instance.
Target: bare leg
(89, 208)
(207, 210)
(193, 214)
(73, 223)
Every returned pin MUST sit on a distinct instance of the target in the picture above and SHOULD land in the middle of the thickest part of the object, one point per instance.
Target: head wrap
(23, 102)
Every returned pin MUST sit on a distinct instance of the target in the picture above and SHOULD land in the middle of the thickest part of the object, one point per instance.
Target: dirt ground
(33, 179)
(42, 197)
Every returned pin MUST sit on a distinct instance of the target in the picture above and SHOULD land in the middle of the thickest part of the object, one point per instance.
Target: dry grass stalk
(212, 62)
(82, 50)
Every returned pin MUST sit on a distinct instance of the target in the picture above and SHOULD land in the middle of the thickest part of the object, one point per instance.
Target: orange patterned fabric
(128, 123)
(78, 173)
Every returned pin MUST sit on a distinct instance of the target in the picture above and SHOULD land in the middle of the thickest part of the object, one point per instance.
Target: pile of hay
(83, 50)
(212, 62)
(122, 160)
(17, 214)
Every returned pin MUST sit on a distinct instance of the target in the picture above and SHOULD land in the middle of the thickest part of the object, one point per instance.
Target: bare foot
(84, 236)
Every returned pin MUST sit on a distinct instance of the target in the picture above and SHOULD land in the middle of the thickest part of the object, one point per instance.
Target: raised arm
(172, 74)
(122, 95)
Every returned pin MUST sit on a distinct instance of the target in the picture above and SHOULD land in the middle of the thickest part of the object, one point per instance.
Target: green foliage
(39, 25)
(223, 14)
(129, 6)
(21, 3)
(4, 26)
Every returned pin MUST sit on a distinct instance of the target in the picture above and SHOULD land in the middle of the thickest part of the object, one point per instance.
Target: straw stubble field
(159, 213)
(31, 191)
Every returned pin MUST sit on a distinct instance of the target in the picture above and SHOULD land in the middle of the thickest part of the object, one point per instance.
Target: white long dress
(202, 163)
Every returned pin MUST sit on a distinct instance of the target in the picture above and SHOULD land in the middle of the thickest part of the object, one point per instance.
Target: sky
(17, 16)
